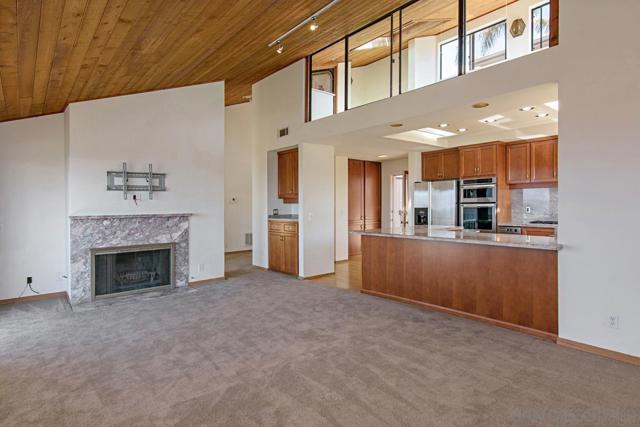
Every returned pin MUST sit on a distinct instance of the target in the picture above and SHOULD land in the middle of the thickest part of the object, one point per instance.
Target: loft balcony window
(540, 26)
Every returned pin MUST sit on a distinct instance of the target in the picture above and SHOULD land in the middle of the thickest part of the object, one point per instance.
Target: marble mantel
(87, 232)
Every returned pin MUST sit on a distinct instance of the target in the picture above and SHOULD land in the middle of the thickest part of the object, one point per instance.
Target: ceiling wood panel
(53, 52)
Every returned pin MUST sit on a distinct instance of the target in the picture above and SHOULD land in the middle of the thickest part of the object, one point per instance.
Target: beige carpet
(262, 349)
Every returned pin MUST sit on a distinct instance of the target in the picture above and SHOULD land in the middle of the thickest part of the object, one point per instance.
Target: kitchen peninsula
(507, 280)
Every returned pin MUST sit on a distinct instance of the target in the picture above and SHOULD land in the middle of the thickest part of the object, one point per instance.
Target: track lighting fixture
(314, 24)
(280, 48)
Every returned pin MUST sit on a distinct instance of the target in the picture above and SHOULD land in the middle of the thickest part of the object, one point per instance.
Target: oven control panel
(508, 229)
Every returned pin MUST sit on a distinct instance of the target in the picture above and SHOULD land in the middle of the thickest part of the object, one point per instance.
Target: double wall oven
(478, 198)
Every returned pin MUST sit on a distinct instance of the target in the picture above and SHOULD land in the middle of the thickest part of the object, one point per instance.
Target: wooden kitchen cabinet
(479, 161)
(519, 163)
(443, 164)
(283, 246)
(288, 175)
(364, 199)
(533, 162)
(544, 160)
(538, 231)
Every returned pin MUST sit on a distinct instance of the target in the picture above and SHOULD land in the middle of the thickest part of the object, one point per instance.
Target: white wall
(342, 208)
(371, 82)
(422, 64)
(390, 168)
(317, 201)
(32, 205)
(237, 176)
(277, 102)
(598, 170)
(179, 131)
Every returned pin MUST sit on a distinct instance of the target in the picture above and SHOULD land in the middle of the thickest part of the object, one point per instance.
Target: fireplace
(125, 270)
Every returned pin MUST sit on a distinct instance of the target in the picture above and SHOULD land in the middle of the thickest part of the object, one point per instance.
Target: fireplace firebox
(124, 270)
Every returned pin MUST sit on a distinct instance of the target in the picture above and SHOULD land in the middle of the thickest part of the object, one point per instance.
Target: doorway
(399, 189)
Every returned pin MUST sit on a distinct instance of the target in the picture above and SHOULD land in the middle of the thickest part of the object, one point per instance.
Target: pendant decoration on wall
(517, 27)
(126, 181)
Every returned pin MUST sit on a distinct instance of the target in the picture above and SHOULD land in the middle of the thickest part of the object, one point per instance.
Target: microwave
(481, 190)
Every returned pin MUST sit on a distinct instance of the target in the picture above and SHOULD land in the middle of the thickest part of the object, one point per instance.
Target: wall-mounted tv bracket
(153, 181)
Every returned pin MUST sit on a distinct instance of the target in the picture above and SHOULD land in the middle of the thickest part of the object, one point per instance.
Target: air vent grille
(283, 132)
(248, 239)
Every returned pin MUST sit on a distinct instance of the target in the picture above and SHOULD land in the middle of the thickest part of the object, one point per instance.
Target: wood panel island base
(508, 281)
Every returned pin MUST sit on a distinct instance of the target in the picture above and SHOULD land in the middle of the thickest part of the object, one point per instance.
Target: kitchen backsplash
(542, 204)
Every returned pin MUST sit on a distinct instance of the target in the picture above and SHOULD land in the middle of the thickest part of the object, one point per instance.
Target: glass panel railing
(369, 56)
(418, 45)
(430, 32)
(327, 81)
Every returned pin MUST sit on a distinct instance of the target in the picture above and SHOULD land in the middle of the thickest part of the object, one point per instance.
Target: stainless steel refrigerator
(441, 199)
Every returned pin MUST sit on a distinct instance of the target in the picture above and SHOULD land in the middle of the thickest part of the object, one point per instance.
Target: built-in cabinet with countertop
(364, 195)
(533, 162)
(288, 175)
(283, 246)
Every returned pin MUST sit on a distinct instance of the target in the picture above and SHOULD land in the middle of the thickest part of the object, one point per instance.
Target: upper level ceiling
(53, 52)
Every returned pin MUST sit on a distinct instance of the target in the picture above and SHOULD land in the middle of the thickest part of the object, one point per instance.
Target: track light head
(280, 48)
(314, 24)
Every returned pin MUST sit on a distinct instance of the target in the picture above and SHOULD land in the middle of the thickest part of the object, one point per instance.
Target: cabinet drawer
(290, 227)
(277, 227)
(537, 231)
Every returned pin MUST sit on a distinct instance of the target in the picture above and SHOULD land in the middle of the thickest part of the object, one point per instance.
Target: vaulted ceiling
(53, 52)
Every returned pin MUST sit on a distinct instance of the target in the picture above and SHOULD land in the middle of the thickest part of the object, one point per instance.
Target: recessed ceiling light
(438, 133)
(382, 156)
(541, 115)
(462, 130)
(314, 25)
(444, 125)
(529, 108)
(480, 104)
(553, 105)
(491, 119)
(396, 125)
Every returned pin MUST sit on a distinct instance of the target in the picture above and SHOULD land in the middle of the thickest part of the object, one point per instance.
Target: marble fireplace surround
(109, 231)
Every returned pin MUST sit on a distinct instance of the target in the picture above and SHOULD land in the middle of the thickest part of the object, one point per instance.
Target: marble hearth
(112, 231)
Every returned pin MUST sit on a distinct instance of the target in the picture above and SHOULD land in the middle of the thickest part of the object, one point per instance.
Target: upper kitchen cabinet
(533, 162)
(479, 161)
(443, 164)
(519, 163)
(544, 161)
(288, 175)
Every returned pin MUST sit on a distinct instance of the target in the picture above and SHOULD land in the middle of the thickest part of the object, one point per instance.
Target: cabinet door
(487, 160)
(276, 252)
(290, 249)
(469, 162)
(356, 190)
(518, 163)
(450, 164)
(283, 175)
(293, 173)
(354, 239)
(544, 161)
(431, 166)
(372, 189)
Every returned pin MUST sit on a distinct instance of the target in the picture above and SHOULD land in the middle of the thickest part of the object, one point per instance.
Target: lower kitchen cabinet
(283, 246)
(538, 231)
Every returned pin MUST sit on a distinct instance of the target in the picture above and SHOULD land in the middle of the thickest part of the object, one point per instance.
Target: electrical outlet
(527, 209)
(613, 322)
(29, 280)
(200, 268)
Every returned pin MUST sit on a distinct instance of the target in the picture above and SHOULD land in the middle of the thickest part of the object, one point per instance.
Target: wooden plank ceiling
(53, 52)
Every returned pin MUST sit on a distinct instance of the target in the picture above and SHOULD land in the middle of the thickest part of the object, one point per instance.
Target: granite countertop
(528, 225)
(284, 217)
(459, 235)
(140, 215)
